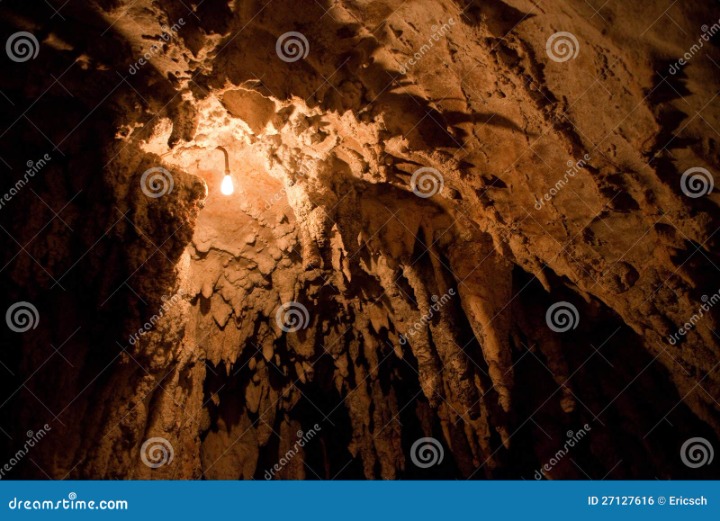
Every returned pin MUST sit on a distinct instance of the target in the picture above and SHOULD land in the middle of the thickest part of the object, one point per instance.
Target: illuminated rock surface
(322, 153)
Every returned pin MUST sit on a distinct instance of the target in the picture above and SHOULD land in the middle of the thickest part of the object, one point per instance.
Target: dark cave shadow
(638, 419)
(429, 128)
(73, 125)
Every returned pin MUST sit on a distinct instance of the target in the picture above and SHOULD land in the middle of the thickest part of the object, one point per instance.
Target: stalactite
(418, 316)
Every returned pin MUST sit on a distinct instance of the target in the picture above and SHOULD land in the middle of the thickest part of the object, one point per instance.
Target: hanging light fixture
(226, 187)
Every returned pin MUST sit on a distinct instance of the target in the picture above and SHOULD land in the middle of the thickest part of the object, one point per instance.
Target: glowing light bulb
(227, 187)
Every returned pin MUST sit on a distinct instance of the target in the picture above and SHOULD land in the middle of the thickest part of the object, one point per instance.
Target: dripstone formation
(414, 191)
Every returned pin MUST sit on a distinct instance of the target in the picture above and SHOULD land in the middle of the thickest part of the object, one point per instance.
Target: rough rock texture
(322, 152)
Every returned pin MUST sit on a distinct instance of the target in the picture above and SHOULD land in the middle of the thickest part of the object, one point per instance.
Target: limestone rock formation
(417, 186)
